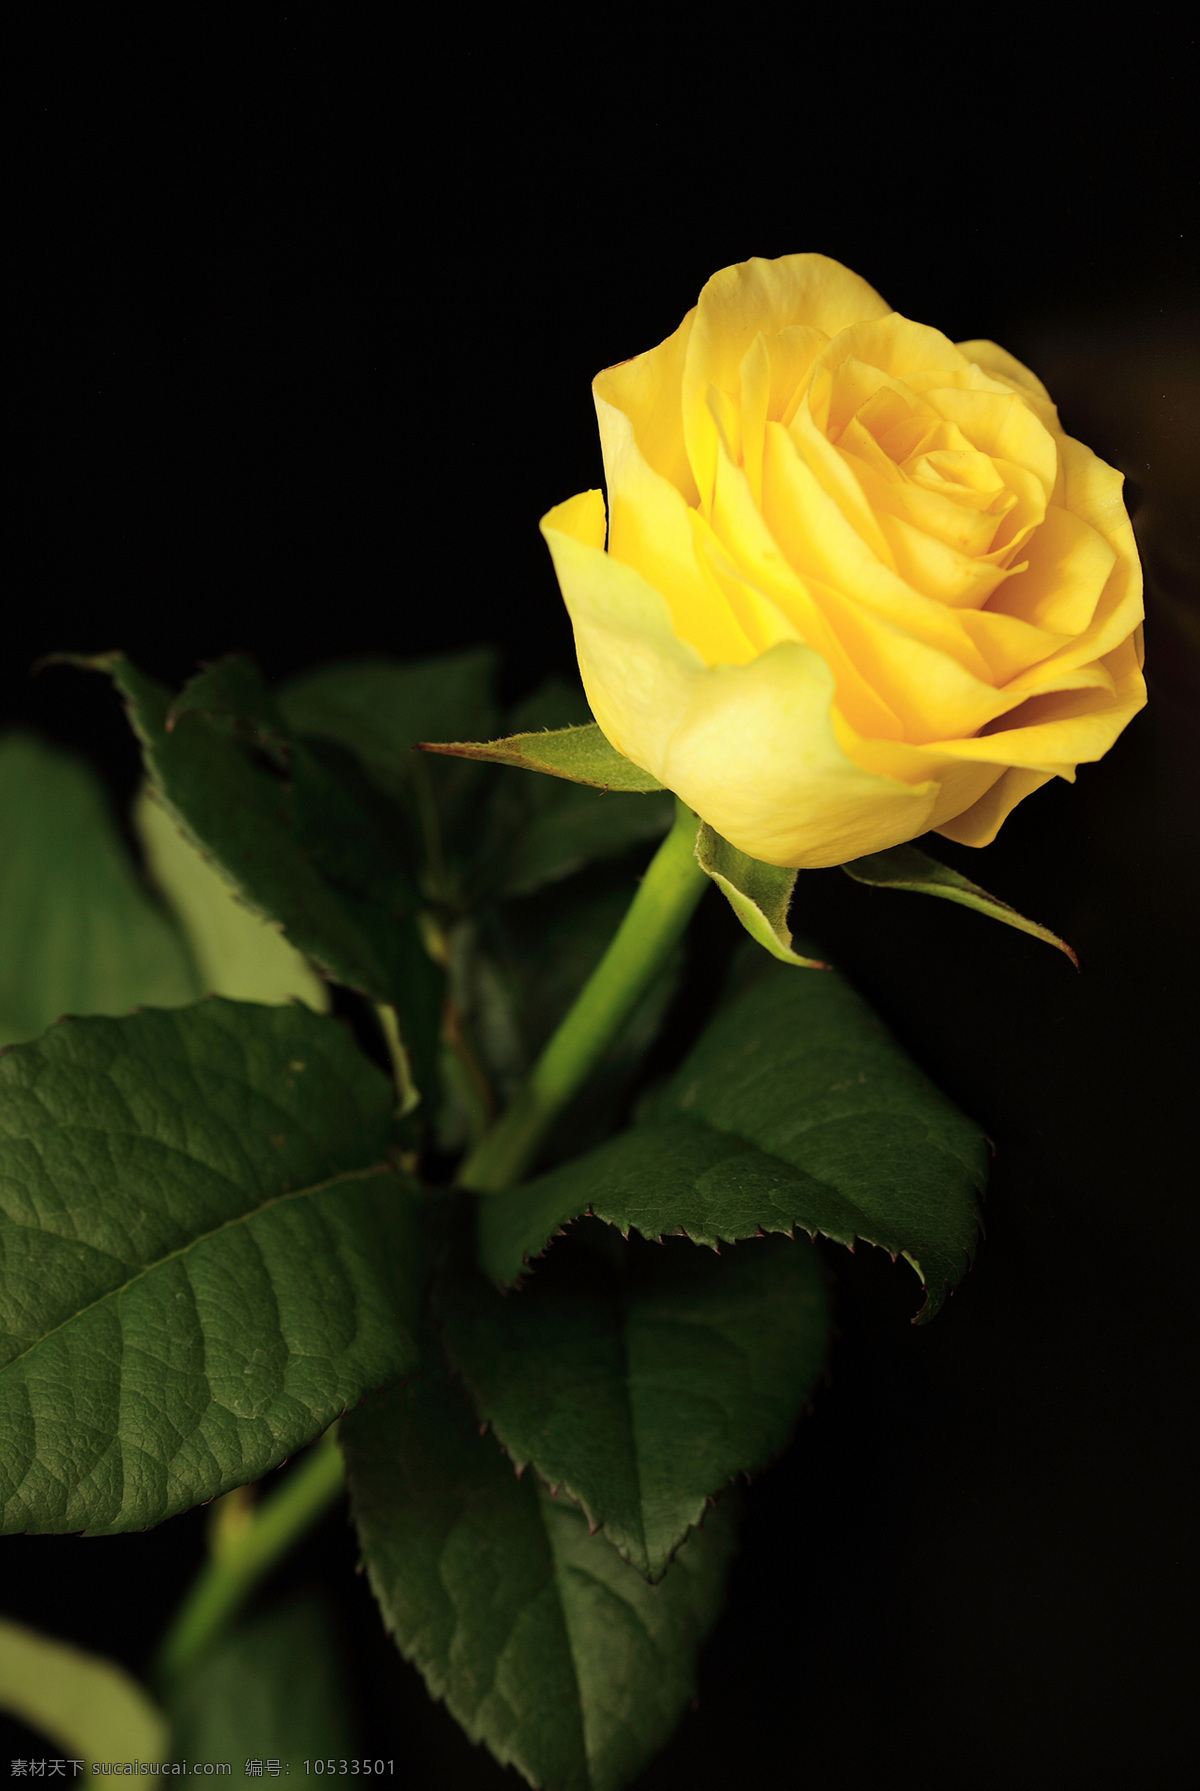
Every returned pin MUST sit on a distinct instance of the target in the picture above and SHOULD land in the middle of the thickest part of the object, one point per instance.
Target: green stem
(240, 1561)
(649, 933)
(407, 1095)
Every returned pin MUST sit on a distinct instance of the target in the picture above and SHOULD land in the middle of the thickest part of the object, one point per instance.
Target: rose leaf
(542, 1641)
(641, 1386)
(206, 1256)
(796, 1109)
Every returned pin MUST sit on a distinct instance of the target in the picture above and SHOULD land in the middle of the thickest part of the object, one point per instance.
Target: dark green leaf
(580, 754)
(317, 851)
(906, 867)
(542, 1641)
(580, 825)
(759, 894)
(796, 1109)
(381, 708)
(206, 1256)
(270, 1691)
(641, 1386)
(78, 932)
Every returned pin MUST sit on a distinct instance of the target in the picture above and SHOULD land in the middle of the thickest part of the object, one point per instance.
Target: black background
(309, 311)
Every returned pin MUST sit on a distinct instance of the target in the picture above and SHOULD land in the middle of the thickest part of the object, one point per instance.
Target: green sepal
(206, 1256)
(795, 1110)
(640, 1380)
(582, 755)
(759, 894)
(906, 867)
(544, 1644)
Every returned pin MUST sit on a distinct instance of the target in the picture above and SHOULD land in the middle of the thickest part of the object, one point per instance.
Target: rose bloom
(858, 582)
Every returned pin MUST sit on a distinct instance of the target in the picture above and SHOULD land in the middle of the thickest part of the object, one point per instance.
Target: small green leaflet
(580, 754)
(78, 932)
(204, 1256)
(542, 1641)
(906, 867)
(796, 1109)
(640, 1383)
(759, 894)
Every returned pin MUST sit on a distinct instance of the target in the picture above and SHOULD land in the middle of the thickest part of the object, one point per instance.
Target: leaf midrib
(346, 1175)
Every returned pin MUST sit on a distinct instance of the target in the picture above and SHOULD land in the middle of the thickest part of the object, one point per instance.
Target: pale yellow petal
(756, 754)
(637, 675)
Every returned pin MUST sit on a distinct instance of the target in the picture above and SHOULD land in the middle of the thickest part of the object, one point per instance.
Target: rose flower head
(858, 583)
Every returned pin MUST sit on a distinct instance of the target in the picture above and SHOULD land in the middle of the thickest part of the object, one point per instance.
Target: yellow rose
(858, 582)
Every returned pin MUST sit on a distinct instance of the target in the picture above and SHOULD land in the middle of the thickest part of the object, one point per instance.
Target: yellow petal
(756, 754)
(773, 375)
(650, 529)
(1068, 563)
(979, 824)
(1006, 368)
(649, 389)
(734, 307)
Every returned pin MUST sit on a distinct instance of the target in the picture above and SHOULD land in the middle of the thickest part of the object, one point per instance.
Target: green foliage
(84, 1704)
(759, 894)
(543, 1643)
(237, 952)
(795, 1109)
(906, 867)
(304, 837)
(640, 1381)
(206, 1256)
(78, 932)
(271, 1690)
(211, 1244)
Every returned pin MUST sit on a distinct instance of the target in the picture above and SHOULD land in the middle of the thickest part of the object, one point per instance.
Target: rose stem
(245, 1556)
(649, 933)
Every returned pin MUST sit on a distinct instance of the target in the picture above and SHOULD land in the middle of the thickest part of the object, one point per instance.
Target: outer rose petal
(752, 748)
(637, 673)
